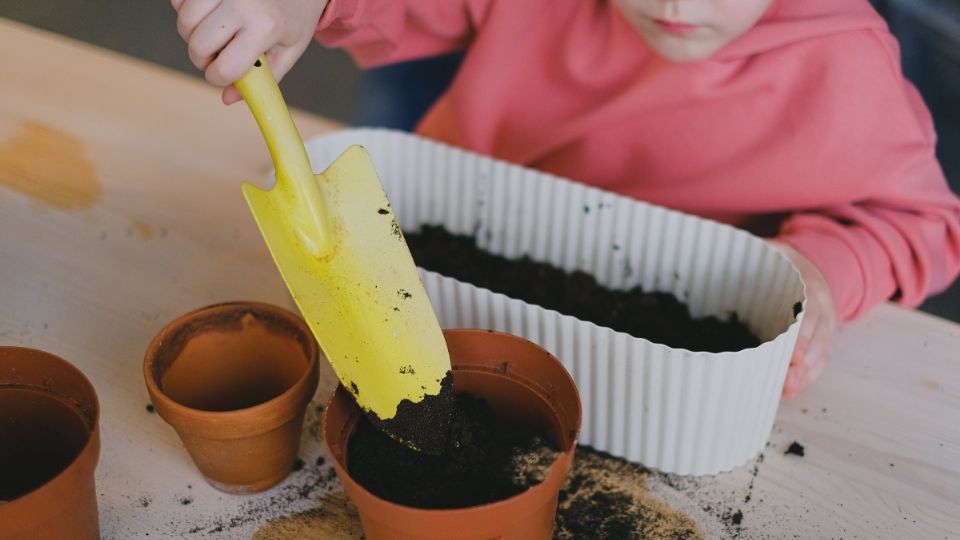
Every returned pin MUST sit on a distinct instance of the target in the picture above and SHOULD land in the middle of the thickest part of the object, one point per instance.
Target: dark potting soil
(485, 459)
(424, 425)
(656, 316)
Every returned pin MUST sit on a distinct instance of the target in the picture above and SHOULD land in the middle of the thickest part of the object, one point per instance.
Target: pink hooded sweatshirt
(803, 128)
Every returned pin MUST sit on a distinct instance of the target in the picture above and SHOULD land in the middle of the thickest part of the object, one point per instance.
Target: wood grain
(92, 273)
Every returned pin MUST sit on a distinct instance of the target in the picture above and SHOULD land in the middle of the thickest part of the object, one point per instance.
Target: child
(789, 118)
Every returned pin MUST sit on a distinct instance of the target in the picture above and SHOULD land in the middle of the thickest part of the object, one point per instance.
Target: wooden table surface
(120, 209)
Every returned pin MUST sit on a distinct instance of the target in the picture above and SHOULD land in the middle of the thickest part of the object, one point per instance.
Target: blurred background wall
(327, 83)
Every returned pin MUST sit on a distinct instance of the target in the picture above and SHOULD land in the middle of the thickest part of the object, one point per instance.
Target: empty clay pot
(234, 381)
(520, 381)
(49, 446)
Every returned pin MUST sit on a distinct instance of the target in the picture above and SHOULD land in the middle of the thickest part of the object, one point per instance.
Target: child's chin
(684, 51)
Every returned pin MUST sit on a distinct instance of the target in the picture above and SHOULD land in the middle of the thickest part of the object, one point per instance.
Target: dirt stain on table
(143, 230)
(50, 167)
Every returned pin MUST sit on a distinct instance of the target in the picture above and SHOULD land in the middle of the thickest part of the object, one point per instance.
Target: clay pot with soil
(513, 434)
(49, 446)
(234, 381)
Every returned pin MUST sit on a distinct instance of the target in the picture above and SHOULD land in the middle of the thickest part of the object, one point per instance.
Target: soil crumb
(795, 449)
(605, 498)
(485, 459)
(657, 316)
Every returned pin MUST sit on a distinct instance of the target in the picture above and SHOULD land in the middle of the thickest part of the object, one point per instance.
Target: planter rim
(85, 462)
(563, 460)
(302, 390)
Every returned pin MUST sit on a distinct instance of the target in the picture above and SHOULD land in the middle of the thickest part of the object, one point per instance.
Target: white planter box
(670, 409)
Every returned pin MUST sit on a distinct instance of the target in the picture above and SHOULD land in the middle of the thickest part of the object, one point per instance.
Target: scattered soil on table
(720, 500)
(657, 316)
(485, 459)
(303, 489)
(335, 518)
(150, 408)
(605, 498)
(795, 449)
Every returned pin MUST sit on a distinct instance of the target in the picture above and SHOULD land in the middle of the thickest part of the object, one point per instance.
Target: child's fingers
(818, 355)
(805, 334)
(176, 4)
(238, 57)
(191, 13)
(795, 380)
(282, 59)
(211, 36)
(231, 95)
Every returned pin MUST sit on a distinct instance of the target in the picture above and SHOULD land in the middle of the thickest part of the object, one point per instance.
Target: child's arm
(893, 228)
(384, 31)
(902, 243)
(881, 222)
(225, 37)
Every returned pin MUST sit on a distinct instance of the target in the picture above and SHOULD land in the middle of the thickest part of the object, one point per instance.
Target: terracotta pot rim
(494, 506)
(89, 455)
(167, 405)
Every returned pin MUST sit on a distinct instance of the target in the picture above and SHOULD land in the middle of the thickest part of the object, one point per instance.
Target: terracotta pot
(234, 381)
(520, 381)
(49, 446)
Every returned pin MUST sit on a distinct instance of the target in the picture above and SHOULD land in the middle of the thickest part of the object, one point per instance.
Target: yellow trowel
(341, 253)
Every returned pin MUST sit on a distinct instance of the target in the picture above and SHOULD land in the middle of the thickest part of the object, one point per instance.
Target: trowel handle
(294, 174)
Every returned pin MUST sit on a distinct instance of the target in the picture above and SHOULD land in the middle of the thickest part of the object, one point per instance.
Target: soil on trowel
(486, 459)
(605, 498)
(656, 316)
(424, 425)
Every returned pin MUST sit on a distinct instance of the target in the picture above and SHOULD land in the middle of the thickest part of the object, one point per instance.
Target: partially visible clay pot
(234, 381)
(520, 381)
(49, 446)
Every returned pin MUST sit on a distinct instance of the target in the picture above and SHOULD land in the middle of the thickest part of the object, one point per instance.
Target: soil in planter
(486, 459)
(47, 434)
(659, 317)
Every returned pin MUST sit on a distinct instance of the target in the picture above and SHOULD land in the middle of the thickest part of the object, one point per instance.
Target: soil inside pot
(485, 459)
(425, 424)
(40, 435)
(657, 316)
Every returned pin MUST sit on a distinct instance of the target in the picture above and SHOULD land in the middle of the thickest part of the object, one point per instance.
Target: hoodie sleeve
(899, 238)
(377, 32)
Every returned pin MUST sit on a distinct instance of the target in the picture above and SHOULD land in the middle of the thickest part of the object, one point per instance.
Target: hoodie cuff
(838, 263)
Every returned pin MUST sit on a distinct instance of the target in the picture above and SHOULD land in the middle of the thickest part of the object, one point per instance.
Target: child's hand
(812, 351)
(225, 37)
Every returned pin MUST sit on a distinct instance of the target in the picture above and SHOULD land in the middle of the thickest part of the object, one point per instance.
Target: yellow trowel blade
(341, 253)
